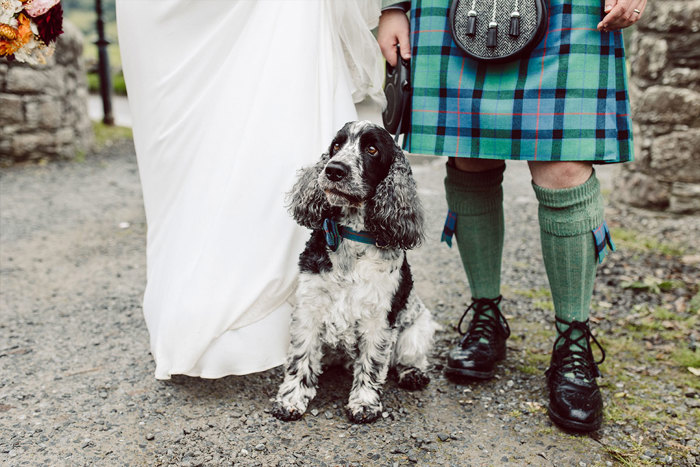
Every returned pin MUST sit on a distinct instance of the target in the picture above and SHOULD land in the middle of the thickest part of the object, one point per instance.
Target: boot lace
(482, 324)
(577, 353)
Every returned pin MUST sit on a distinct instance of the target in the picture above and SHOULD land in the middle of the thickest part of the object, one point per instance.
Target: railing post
(103, 67)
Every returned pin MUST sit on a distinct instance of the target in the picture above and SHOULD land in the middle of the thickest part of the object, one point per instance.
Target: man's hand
(394, 29)
(620, 14)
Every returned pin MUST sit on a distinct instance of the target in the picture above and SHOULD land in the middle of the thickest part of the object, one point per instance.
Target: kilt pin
(566, 101)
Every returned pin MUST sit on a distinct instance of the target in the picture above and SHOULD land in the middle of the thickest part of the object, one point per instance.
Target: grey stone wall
(664, 63)
(43, 109)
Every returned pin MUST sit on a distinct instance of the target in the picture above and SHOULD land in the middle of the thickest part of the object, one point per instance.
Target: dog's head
(363, 168)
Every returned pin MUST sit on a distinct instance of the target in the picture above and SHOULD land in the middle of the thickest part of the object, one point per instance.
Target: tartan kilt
(566, 101)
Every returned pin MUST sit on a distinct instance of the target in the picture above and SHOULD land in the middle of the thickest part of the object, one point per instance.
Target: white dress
(229, 99)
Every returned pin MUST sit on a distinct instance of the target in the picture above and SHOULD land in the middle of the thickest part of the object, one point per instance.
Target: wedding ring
(636, 11)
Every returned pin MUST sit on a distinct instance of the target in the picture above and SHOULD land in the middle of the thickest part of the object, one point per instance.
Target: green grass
(105, 134)
(636, 241)
(687, 358)
(694, 304)
(539, 293)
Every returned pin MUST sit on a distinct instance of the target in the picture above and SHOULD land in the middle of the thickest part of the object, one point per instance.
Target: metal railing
(103, 68)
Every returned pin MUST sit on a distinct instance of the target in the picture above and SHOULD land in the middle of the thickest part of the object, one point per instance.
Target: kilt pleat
(566, 101)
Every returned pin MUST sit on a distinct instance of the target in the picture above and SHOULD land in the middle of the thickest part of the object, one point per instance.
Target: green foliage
(108, 7)
(118, 84)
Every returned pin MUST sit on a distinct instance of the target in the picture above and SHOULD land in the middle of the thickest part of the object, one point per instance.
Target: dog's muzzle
(336, 171)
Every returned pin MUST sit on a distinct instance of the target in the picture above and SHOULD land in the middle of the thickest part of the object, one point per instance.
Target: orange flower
(8, 32)
(13, 39)
(24, 29)
(8, 47)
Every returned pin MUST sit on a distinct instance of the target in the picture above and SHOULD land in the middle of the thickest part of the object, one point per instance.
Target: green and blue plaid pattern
(566, 102)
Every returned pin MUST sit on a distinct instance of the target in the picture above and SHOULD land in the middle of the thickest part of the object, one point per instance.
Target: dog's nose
(336, 171)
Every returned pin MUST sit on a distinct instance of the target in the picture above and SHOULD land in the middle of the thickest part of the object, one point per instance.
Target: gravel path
(76, 376)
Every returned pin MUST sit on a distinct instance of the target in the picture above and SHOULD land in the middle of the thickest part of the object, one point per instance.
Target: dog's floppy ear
(306, 202)
(394, 214)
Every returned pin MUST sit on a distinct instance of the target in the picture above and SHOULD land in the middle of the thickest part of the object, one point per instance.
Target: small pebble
(150, 436)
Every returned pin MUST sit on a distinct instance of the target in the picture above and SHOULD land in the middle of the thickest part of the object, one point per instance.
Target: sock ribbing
(567, 217)
(477, 198)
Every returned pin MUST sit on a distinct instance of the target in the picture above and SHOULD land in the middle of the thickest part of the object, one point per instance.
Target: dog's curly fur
(360, 298)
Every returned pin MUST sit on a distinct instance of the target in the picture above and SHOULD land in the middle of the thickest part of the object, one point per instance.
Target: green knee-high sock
(567, 217)
(477, 198)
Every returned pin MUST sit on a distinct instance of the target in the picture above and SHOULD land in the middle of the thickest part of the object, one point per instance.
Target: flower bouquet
(29, 28)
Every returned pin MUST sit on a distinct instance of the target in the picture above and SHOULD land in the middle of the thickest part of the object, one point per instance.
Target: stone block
(652, 62)
(31, 146)
(64, 136)
(682, 78)
(642, 190)
(671, 16)
(3, 76)
(642, 143)
(11, 110)
(684, 50)
(26, 80)
(44, 113)
(685, 198)
(69, 46)
(675, 156)
(5, 148)
(666, 104)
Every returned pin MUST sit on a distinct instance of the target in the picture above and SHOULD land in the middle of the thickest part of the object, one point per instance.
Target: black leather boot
(483, 344)
(575, 402)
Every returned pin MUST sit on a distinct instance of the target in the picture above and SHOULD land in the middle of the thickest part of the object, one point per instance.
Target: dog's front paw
(413, 379)
(286, 412)
(364, 414)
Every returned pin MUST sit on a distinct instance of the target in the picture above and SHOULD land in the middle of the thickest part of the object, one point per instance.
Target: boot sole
(574, 425)
(470, 374)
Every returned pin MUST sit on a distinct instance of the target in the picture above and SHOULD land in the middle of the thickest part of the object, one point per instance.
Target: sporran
(498, 30)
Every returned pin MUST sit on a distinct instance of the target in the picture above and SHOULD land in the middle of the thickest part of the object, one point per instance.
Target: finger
(624, 14)
(628, 17)
(608, 5)
(405, 45)
(612, 15)
(389, 52)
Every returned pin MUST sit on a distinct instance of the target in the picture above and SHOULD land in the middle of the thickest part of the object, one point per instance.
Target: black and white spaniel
(355, 291)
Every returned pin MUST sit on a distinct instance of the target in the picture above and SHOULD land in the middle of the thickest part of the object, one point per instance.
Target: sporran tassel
(471, 23)
(471, 20)
(514, 24)
(492, 34)
(515, 21)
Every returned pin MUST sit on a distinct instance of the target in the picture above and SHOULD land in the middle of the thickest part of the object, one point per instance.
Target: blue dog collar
(335, 233)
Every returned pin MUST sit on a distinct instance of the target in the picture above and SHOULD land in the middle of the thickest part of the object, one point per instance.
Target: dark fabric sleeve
(394, 5)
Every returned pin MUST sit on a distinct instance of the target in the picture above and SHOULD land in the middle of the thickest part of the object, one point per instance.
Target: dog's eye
(372, 150)
(336, 147)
